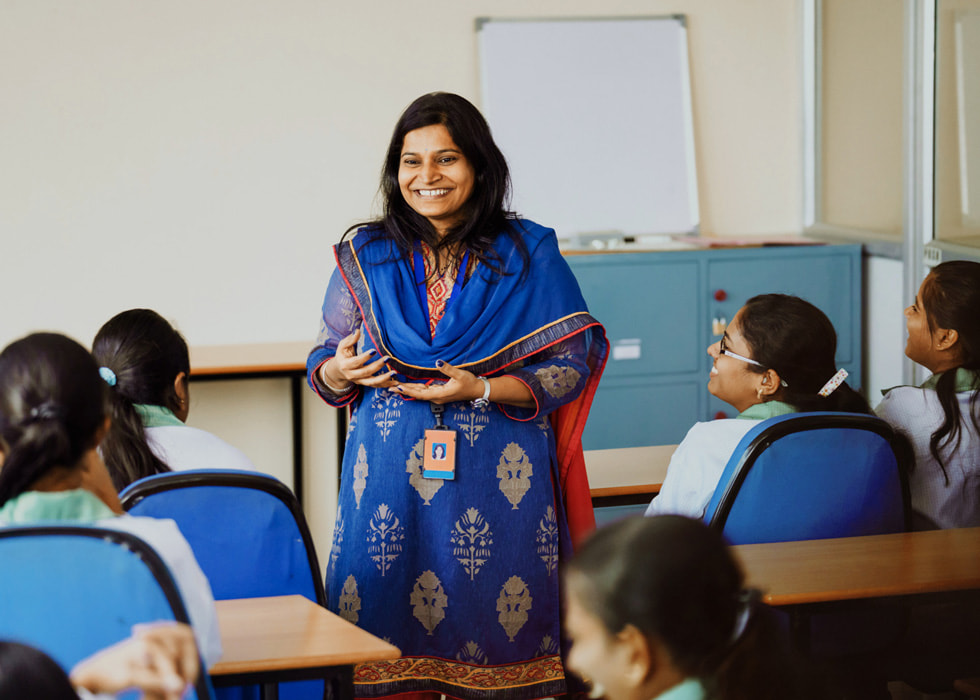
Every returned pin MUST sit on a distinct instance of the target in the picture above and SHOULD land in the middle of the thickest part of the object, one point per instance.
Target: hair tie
(833, 383)
(108, 375)
(746, 598)
(46, 411)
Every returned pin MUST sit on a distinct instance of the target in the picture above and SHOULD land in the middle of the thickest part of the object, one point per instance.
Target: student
(657, 610)
(52, 419)
(941, 417)
(159, 659)
(145, 361)
(775, 357)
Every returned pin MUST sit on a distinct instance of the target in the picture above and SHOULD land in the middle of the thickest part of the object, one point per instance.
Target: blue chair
(72, 590)
(249, 535)
(806, 476)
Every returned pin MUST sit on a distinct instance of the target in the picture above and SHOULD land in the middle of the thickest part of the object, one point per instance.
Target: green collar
(77, 505)
(766, 409)
(156, 416)
(966, 380)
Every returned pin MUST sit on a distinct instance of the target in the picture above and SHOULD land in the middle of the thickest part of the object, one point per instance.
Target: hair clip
(833, 383)
(108, 375)
(46, 411)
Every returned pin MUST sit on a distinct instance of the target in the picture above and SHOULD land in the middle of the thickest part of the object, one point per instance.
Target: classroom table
(627, 474)
(261, 361)
(286, 638)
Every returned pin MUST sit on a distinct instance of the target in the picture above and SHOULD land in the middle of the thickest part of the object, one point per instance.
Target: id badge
(439, 454)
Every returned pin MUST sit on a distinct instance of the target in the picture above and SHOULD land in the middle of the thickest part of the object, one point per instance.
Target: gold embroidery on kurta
(426, 488)
(385, 535)
(471, 539)
(349, 602)
(514, 471)
(558, 381)
(547, 539)
(387, 410)
(429, 601)
(360, 474)
(471, 653)
(338, 537)
(514, 602)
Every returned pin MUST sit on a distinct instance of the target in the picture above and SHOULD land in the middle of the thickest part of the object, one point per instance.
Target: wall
(200, 157)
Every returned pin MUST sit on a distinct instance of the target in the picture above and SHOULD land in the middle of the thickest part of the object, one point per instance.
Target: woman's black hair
(485, 214)
(676, 581)
(951, 300)
(52, 404)
(26, 672)
(146, 354)
(795, 338)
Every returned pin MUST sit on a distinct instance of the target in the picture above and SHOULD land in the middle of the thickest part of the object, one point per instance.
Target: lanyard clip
(437, 410)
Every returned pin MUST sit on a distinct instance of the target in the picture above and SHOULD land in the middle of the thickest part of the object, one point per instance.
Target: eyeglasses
(725, 351)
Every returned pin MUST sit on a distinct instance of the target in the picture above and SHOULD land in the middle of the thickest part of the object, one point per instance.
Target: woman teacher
(451, 321)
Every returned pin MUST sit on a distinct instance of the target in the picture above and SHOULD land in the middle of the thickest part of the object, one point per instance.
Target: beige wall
(198, 157)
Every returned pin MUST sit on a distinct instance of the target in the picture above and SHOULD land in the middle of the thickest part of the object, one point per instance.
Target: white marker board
(594, 117)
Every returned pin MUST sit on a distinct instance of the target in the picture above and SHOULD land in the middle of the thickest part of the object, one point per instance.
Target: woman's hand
(462, 385)
(348, 367)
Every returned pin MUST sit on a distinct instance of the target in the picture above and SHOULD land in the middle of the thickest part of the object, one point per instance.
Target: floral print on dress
(429, 601)
(471, 421)
(350, 601)
(360, 474)
(385, 535)
(514, 471)
(471, 539)
(513, 605)
(547, 539)
(558, 380)
(338, 537)
(471, 653)
(387, 409)
(426, 488)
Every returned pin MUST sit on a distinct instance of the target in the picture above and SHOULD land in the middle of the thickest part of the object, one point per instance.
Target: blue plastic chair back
(809, 476)
(72, 590)
(249, 535)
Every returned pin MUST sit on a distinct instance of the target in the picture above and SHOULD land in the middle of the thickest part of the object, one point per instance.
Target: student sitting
(146, 363)
(775, 357)
(52, 419)
(657, 610)
(941, 418)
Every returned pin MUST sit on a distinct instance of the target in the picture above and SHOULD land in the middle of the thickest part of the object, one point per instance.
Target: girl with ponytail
(146, 363)
(657, 609)
(53, 416)
(941, 417)
(775, 357)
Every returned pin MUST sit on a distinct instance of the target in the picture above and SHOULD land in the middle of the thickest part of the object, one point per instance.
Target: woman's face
(597, 655)
(924, 345)
(434, 176)
(731, 379)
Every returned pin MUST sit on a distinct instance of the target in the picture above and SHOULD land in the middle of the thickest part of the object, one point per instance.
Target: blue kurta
(462, 575)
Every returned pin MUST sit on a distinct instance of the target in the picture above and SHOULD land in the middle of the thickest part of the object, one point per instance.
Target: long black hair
(951, 299)
(676, 581)
(52, 404)
(145, 354)
(795, 338)
(485, 214)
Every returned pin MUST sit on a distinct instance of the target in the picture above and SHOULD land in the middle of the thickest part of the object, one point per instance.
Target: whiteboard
(594, 118)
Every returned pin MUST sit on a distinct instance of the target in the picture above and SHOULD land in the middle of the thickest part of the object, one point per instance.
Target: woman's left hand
(460, 386)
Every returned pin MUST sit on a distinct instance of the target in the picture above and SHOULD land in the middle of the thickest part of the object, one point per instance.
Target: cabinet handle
(720, 414)
(720, 295)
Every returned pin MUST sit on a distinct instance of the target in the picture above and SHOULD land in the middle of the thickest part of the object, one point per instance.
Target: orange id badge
(439, 454)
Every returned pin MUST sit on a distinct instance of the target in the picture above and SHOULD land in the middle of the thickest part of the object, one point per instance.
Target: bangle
(338, 392)
(484, 400)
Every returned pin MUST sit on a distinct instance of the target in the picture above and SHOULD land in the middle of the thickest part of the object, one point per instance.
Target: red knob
(720, 295)
(720, 414)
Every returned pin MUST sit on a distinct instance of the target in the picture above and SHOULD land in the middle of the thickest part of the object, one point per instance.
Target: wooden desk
(856, 568)
(261, 361)
(635, 472)
(284, 638)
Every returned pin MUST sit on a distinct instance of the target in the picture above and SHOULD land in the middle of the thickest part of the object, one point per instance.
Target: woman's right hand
(348, 367)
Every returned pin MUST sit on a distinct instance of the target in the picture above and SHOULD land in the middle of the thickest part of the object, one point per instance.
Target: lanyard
(420, 281)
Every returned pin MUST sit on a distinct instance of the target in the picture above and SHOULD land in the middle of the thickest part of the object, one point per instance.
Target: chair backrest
(246, 529)
(72, 590)
(812, 476)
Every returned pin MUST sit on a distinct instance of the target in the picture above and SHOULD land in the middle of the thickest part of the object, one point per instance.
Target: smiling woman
(458, 336)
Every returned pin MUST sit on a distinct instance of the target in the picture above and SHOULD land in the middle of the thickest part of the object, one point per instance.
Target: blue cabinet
(658, 308)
